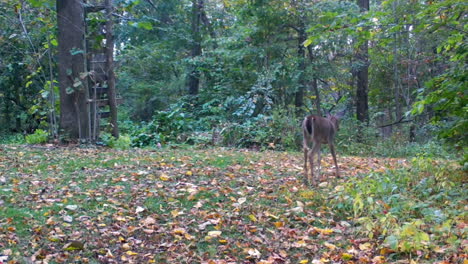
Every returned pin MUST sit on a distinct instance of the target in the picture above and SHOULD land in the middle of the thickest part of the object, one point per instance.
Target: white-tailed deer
(318, 130)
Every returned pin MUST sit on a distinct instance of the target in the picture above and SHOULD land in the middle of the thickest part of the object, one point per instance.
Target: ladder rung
(104, 102)
(104, 114)
(100, 90)
(94, 8)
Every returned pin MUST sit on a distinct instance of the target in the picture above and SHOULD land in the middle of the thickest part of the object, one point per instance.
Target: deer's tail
(308, 123)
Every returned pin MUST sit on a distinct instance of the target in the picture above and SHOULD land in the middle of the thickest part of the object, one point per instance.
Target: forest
(162, 131)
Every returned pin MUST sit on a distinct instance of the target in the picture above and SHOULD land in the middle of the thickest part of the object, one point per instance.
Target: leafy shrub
(123, 142)
(404, 207)
(38, 137)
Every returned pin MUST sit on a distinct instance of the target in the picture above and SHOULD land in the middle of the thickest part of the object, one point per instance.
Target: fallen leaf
(71, 207)
(253, 218)
(139, 209)
(253, 252)
(346, 256)
(278, 224)
(365, 246)
(164, 177)
(68, 219)
(73, 245)
(329, 245)
(214, 233)
(148, 221)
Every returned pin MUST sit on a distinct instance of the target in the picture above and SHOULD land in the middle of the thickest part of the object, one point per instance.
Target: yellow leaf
(74, 245)
(346, 256)
(253, 218)
(164, 177)
(222, 241)
(271, 215)
(179, 231)
(279, 224)
(188, 236)
(304, 261)
(176, 213)
(189, 173)
(324, 231)
(330, 245)
(131, 253)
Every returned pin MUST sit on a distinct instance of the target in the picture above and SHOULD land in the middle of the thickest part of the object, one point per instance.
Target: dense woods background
(245, 72)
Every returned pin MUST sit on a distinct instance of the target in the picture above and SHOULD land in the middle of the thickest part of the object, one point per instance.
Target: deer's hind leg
(306, 172)
(315, 150)
(332, 150)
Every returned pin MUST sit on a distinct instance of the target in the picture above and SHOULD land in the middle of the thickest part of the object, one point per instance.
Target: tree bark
(299, 96)
(314, 84)
(194, 74)
(362, 107)
(71, 61)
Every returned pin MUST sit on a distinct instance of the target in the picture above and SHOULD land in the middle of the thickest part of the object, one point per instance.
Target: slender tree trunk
(18, 100)
(299, 96)
(396, 75)
(362, 107)
(317, 103)
(73, 90)
(7, 113)
(194, 74)
(314, 84)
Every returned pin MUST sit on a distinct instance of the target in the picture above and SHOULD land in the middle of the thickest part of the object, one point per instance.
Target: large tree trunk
(74, 112)
(362, 107)
(110, 69)
(194, 74)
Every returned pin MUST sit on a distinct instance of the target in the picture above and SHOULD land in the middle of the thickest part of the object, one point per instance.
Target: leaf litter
(79, 205)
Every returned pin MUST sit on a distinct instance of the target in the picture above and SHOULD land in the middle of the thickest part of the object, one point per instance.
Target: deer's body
(318, 130)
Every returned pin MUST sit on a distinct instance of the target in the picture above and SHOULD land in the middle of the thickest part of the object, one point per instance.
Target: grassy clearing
(215, 205)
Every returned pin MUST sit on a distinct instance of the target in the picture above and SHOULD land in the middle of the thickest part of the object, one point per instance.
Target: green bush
(122, 143)
(38, 137)
(406, 206)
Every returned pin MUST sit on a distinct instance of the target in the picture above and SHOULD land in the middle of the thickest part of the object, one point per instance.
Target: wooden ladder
(100, 65)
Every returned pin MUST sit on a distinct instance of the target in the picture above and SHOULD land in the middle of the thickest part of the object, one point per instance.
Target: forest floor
(217, 205)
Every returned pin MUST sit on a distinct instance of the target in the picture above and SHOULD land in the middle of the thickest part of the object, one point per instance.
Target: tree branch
(401, 121)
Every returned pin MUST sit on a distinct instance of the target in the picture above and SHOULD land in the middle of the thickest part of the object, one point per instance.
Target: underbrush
(415, 211)
(12, 139)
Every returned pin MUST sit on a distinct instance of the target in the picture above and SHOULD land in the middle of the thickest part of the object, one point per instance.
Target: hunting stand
(100, 66)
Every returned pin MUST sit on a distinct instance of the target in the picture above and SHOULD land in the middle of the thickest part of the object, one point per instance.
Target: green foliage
(12, 139)
(371, 143)
(38, 137)
(404, 207)
(446, 93)
(122, 143)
